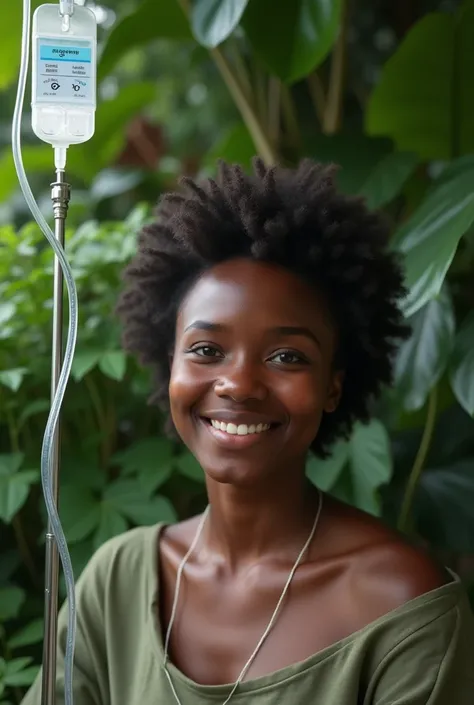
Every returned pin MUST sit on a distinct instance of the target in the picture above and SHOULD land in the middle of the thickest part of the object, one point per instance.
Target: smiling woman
(267, 307)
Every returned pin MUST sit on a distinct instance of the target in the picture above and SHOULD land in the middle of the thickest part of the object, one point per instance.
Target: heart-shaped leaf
(292, 38)
(388, 178)
(113, 364)
(423, 358)
(213, 21)
(324, 473)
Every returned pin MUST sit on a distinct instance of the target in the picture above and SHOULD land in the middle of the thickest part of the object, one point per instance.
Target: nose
(241, 382)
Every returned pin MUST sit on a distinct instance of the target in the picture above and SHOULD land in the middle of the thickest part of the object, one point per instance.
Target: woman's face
(252, 371)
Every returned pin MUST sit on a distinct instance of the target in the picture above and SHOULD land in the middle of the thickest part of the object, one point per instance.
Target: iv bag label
(64, 71)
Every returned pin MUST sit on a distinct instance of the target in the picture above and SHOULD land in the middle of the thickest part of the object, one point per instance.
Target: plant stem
(274, 100)
(241, 100)
(415, 474)
(318, 95)
(291, 120)
(333, 109)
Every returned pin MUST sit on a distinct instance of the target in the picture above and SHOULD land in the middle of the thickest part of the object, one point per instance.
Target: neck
(247, 524)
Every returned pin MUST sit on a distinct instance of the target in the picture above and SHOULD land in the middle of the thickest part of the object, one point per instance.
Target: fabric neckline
(283, 674)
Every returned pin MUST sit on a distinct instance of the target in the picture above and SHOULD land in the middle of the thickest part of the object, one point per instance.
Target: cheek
(185, 388)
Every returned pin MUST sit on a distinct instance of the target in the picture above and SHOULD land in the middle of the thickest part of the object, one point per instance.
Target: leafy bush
(408, 148)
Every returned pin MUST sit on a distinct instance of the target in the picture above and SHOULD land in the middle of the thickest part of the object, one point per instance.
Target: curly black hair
(293, 218)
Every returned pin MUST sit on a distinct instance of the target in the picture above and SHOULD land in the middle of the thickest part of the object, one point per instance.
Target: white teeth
(240, 430)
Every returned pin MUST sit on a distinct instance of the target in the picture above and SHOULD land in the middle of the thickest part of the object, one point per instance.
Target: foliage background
(385, 90)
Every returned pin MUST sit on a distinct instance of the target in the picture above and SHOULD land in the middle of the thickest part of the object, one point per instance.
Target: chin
(238, 474)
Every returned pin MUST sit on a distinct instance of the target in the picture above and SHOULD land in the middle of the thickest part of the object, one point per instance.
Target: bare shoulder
(385, 570)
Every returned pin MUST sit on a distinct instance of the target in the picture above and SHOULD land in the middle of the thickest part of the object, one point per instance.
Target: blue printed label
(65, 53)
(65, 73)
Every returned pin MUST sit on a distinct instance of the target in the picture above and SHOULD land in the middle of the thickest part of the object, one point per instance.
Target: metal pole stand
(60, 196)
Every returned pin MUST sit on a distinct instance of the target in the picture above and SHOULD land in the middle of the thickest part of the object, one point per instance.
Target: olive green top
(419, 654)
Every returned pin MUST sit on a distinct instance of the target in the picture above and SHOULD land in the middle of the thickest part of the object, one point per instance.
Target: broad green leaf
(80, 512)
(151, 459)
(13, 378)
(113, 364)
(213, 21)
(14, 491)
(11, 600)
(9, 563)
(371, 463)
(423, 358)
(37, 406)
(356, 154)
(22, 678)
(18, 664)
(189, 467)
(31, 634)
(424, 98)
(324, 473)
(292, 38)
(429, 239)
(462, 365)
(445, 506)
(10, 42)
(152, 20)
(111, 524)
(84, 361)
(7, 311)
(388, 178)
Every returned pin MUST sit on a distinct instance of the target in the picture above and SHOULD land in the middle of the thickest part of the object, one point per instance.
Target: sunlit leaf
(423, 358)
(84, 361)
(13, 378)
(213, 21)
(462, 365)
(292, 38)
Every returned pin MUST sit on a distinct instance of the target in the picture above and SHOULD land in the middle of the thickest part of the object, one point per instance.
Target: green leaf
(84, 361)
(13, 378)
(462, 365)
(113, 364)
(429, 239)
(356, 154)
(324, 473)
(36, 159)
(189, 467)
(37, 406)
(18, 664)
(388, 178)
(10, 44)
(14, 485)
(445, 506)
(151, 459)
(7, 311)
(129, 498)
(31, 634)
(23, 678)
(213, 21)
(292, 38)
(424, 98)
(11, 601)
(423, 358)
(152, 20)
(111, 524)
(235, 147)
(80, 512)
(371, 463)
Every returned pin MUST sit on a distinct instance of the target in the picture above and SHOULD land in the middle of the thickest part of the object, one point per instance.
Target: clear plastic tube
(53, 419)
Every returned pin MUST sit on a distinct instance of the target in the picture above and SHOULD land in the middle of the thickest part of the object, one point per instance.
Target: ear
(335, 391)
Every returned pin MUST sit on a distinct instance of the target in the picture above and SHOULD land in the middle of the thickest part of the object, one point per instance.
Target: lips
(238, 429)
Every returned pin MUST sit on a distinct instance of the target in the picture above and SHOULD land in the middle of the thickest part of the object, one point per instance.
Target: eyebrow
(280, 330)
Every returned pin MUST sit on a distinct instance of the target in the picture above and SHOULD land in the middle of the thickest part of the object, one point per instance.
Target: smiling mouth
(238, 435)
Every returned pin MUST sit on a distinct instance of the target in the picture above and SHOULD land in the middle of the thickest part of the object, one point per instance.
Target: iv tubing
(53, 419)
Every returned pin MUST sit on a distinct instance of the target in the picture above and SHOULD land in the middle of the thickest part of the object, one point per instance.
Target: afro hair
(294, 218)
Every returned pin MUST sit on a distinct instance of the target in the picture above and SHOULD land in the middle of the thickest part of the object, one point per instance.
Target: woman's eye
(205, 351)
(288, 358)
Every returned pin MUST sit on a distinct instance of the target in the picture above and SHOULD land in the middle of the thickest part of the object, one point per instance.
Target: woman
(267, 308)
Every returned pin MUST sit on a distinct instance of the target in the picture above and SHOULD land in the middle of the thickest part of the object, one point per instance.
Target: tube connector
(66, 8)
(60, 196)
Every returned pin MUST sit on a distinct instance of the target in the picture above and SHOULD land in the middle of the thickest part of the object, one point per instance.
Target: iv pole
(60, 195)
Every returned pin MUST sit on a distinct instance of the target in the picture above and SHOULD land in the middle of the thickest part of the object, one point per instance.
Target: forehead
(254, 291)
